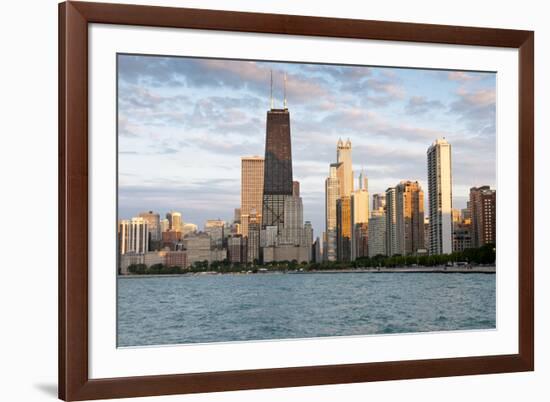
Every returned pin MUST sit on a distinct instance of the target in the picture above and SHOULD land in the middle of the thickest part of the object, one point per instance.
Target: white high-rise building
(133, 236)
(440, 197)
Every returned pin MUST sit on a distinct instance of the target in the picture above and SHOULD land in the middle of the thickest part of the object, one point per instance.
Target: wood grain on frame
(74, 382)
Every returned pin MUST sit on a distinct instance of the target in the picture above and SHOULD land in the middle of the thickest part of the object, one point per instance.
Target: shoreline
(381, 270)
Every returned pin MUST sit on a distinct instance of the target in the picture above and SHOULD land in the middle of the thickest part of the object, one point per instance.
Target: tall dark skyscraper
(277, 167)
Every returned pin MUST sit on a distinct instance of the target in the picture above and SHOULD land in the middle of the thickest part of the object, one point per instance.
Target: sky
(184, 123)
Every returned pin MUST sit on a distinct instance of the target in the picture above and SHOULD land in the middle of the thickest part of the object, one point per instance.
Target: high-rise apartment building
(462, 236)
(133, 236)
(377, 233)
(252, 187)
(483, 215)
(391, 220)
(427, 233)
(409, 211)
(440, 197)
(308, 240)
(332, 193)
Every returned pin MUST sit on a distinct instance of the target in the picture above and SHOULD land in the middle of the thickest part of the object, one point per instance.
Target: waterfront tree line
(484, 255)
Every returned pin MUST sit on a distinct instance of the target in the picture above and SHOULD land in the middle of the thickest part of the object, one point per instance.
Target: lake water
(221, 308)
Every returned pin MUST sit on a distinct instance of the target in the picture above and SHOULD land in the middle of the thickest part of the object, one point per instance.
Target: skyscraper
(409, 225)
(253, 239)
(153, 223)
(391, 220)
(332, 188)
(483, 215)
(440, 197)
(215, 229)
(308, 239)
(133, 236)
(360, 218)
(377, 233)
(363, 181)
(296, 188)
(293, 225)
(378, 201)
(175, 221)
(344, 228)
(277, 167)
(252, 187)
(345, 172)
(164, 226)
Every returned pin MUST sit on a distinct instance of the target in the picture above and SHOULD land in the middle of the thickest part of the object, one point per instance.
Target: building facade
(440, 197)
(215, 229)
(237, 252)
(332, 193)
(378, 201)
(345, 170)
(252, 187)
(377, 233)
(198, 246)
(133, 236)
(277, 168)
(153, 223)
(253, 246)
(344, 229)
(175, 221)
(360, 218)
(409, 226)
(483, 215)
(391, 220)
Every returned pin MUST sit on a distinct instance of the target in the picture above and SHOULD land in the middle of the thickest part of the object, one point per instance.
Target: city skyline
(159, 123)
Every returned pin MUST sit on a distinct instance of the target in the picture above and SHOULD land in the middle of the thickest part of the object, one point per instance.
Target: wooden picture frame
(74, 381)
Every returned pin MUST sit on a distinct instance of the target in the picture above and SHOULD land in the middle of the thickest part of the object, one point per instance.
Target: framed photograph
(261, 200)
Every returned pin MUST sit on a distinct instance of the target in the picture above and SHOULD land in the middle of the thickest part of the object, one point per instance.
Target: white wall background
(28, 199)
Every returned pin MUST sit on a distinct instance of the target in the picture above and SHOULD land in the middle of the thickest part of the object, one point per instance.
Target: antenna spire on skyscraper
(284, 92)
(271, 90)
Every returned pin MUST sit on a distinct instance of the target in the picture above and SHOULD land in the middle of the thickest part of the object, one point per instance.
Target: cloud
(477, 108)
(192, 119)
(418, 105)
(460, 76)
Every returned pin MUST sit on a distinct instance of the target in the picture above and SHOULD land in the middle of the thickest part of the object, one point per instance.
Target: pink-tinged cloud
(460, 76)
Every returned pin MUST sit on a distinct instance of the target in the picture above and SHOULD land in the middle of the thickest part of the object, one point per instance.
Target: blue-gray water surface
(221, 308)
